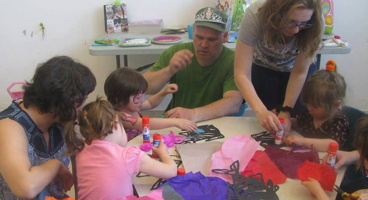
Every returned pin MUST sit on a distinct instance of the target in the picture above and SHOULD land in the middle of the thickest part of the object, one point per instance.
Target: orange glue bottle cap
(333, 147)
(145, 120)
(181, 171)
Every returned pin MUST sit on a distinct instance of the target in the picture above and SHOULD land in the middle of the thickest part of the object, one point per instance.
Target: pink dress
(105, 170)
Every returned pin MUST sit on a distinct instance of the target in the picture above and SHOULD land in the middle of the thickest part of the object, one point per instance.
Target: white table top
(230, 127)
(155, 49)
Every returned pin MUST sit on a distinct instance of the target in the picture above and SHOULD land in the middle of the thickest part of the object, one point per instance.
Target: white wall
(71, 27)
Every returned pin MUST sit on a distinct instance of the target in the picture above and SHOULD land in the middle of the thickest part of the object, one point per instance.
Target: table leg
(118, 61)
(318, 61)
(125, 60)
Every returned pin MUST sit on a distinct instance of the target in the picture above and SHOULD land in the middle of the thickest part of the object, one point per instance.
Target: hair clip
(331, 66)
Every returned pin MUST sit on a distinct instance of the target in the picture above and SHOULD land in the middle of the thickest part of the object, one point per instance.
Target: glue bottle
(156, 143)
(146, 129)
(280, 134)
(331, 154)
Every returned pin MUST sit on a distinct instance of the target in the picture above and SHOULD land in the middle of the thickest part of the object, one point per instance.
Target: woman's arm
(24, 180)
(295, 83)
(242, 73)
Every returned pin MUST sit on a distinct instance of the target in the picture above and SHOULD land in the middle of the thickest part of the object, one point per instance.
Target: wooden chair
(74, 172)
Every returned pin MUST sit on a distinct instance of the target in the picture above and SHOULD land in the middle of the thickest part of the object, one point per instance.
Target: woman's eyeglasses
(302, 25)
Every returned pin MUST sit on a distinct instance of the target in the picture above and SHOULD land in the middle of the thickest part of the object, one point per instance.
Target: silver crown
(209, 16)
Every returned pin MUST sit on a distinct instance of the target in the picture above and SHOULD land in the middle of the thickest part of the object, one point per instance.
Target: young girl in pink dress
(125, 89)
(105, 164)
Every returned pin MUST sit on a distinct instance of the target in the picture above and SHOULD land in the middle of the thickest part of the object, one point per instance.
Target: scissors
(345, 195)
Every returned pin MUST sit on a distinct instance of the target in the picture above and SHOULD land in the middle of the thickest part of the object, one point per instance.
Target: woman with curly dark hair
(32, 147)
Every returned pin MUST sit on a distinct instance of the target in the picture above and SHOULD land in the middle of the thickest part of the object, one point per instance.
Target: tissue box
(146, 26)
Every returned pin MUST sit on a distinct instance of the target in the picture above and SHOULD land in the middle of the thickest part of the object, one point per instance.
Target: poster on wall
(328, 12)
(234, 10)
(116, 18)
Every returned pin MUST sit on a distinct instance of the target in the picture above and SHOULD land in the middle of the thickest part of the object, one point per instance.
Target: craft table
(230, 127)
(157, 49)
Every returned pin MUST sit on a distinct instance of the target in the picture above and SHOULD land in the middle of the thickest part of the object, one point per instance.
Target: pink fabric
(241, 147)
(155, 195)
(171, 139)
(261, 163)
(146, 146)
(105, 170)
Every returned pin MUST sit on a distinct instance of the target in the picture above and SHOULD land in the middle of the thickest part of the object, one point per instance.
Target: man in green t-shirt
(202, 69)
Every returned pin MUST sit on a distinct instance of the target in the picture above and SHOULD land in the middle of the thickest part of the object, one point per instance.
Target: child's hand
(185, 124)
(294, 140)
(161, 150)
(65, 177)
(314, 187)
(171, 88)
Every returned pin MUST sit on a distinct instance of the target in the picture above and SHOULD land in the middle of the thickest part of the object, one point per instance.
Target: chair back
(353, 114)
(74, 172)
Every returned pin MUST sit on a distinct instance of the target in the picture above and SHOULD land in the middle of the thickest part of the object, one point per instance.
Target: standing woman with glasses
(277, 43)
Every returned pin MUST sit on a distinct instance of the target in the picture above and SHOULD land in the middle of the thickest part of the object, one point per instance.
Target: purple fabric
(197, 186)
(288, 161)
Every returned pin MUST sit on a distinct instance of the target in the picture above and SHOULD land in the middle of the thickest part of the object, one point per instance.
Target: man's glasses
(138, 98)
(302, 25)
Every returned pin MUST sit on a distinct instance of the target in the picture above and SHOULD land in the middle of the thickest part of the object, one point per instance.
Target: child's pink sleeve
(133, 158)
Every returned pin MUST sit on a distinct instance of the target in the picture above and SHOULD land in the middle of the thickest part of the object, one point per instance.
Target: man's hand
(180, 112)
(180, 60)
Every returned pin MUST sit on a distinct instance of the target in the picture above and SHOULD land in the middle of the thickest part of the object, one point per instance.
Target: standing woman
(277, 43)
(32, 147)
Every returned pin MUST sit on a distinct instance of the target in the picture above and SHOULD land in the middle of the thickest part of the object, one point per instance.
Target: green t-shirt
(199, 86)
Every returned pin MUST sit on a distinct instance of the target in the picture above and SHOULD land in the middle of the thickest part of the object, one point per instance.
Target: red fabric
(261, 163)
(289, 161)
(323, 173)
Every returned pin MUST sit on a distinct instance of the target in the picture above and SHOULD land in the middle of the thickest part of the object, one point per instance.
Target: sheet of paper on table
(197, 157)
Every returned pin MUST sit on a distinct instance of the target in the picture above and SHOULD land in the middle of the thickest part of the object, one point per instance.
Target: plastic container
(146, 129)
(17, 93)
(280, 134)
(331, 154)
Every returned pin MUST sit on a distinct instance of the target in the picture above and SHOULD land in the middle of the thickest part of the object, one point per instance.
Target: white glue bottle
(280, 134)
(146, 129)
(331, 154)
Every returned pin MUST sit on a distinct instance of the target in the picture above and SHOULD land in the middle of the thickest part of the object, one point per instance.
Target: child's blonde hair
(361, 140)
(324, 88)
(96, 121)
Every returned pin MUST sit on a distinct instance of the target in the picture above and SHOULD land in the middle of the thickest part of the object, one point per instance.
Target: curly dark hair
(59, 86)
(123, 83)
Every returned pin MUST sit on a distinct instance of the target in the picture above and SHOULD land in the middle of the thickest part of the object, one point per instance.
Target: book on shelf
(116, 18)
